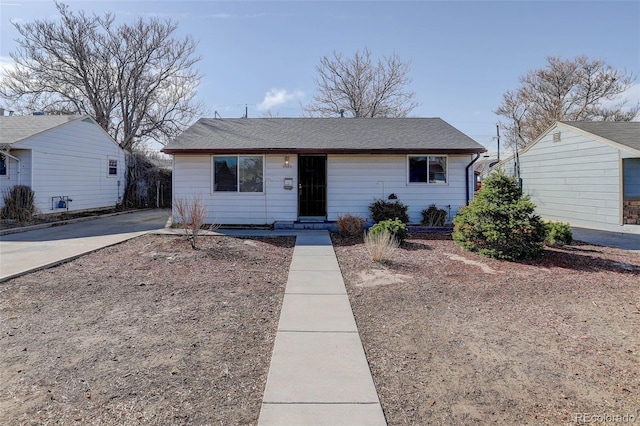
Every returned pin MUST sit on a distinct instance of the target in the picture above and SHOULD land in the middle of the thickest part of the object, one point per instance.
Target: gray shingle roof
(623, 132)
(323, 135)
(16, 128)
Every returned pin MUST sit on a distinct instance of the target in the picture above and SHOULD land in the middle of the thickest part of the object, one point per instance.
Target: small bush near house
(388, 210)
(18, 203)
(191, 215)
(558, 234)
(395, 227)
(350, 225)
(500, 222)
(380, 244)
(433, 216)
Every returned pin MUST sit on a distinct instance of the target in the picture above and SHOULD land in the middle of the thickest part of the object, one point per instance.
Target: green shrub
(19, 203)
(388, 210)
(394, 227)
(500, 222)
(433, 216)
(350, 224)
(558, 234)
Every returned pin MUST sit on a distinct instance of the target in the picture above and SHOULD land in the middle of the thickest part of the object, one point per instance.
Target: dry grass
(350, 224)
(381, 245)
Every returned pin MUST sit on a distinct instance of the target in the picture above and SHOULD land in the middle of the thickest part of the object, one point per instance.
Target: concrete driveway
(41, 248)
(626, 241)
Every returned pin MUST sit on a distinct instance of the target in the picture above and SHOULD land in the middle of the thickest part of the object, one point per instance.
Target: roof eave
(371, 151)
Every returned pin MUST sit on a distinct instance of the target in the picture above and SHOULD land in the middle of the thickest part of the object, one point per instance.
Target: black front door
(312, 188)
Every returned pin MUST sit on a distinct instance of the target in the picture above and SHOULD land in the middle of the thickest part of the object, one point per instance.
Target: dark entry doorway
(312, 189)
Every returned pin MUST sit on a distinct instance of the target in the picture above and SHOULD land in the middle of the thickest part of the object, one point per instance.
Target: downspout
(6, 153)
(467, 176)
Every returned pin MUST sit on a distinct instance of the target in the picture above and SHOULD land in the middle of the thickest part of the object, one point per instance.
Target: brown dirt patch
(471, 340)
(145, 332)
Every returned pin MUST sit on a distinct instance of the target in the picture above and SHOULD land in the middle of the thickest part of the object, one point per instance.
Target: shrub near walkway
(146, 332)
(455, 338)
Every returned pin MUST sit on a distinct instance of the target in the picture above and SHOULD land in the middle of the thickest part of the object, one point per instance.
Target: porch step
(324, 226)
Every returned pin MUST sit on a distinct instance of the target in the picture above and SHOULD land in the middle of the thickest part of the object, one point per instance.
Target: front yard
(454, 338)
(145, 332)
(152, 332)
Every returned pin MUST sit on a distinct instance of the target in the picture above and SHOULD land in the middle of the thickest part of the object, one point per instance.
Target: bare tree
(191, 215)
(358, 87)
(566, 89)
(136, 80)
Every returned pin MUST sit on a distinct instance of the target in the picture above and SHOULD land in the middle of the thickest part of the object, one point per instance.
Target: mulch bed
(454, 338)
(145, 332)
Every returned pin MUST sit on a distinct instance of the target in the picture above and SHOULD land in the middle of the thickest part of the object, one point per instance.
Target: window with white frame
(427, 169)
(113, 167)
(238, 173)
(4, 166)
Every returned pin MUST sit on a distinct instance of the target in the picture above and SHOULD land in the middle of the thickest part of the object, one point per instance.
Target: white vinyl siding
(354, 181)
(71, 161)
(193, 177)
(575, 180)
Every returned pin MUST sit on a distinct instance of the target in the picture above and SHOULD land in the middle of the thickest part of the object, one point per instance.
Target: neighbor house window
(3, 165)
(238, 173)
(427, 169)
(113, 167)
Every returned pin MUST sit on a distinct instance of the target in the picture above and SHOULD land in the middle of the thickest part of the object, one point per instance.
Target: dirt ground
(454, 338)
(152, 332)
(145, 332)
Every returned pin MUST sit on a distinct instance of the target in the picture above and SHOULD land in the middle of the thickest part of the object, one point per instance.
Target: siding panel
(576, 180)
(72, 160)
(353, 183)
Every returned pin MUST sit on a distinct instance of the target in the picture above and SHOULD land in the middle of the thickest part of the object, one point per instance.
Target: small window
(3, 165)
(428, 169)
(238, 174)
(113, 167)
(557, 137)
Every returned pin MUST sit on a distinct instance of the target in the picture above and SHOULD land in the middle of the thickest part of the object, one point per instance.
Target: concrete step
(299, 226)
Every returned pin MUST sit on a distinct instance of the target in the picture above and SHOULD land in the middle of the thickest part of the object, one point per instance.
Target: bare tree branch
(566, 89)
(137, 80)
(361, 88)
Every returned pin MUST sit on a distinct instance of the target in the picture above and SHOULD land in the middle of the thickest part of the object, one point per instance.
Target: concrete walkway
(319, 373)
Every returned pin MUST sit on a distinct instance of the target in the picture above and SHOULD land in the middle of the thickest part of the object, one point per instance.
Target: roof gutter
(371, 151)
(466, 170)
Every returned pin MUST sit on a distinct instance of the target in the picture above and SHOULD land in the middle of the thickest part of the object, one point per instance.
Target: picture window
(427, 169)
(238, 173)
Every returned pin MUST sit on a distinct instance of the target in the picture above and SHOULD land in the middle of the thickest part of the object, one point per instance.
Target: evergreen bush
(558, 234)
(395, 227)
(500, 222)
(388, 210)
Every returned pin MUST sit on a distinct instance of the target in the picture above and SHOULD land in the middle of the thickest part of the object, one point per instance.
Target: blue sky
(464, 54)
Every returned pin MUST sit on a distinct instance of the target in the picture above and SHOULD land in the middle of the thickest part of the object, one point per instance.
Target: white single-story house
(585, 173)
(265, 170)
(69, 162)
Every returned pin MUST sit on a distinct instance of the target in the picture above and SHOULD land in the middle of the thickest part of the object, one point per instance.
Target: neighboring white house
(69, 162)
(266, 170)
(584, 173)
